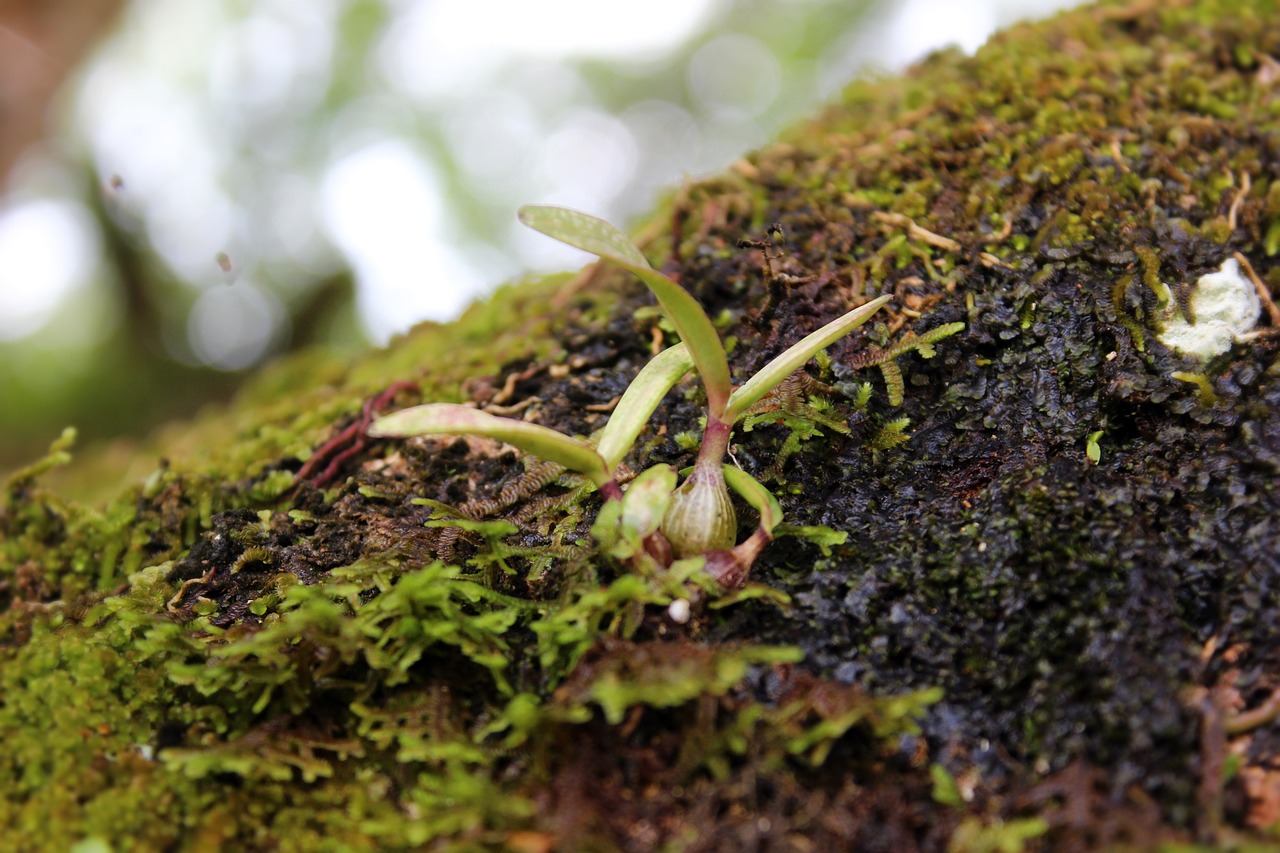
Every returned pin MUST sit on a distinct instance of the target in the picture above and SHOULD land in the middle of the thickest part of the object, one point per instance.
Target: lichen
(1223, 306)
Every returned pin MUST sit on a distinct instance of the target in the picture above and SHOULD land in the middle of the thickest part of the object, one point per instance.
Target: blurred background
(189, 189)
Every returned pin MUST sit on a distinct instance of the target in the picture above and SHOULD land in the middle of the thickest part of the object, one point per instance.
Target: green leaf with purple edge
(452, 419)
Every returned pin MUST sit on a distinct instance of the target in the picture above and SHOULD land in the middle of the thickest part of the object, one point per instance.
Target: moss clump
(979, 634)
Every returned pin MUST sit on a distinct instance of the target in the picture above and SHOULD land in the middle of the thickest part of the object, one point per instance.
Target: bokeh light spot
(588, 159)
(734, 74)
(232, 327)
(46, 252)
(382, 208)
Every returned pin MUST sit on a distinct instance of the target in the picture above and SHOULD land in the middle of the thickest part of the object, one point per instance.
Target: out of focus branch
(41, 42)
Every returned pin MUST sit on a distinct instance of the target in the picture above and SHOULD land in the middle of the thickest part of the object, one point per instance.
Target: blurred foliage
(117, 358)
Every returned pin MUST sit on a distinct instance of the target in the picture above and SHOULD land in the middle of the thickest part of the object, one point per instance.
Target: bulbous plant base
(701, 517)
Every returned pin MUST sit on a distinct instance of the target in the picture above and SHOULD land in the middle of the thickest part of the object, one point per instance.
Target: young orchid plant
(653, 519)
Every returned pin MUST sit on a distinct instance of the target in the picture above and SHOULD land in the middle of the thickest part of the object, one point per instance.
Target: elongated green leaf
(756, 495)
(452, 419)
(583, 231)
(696, 330)
(591, 234)
(791, 360)
(642, 396)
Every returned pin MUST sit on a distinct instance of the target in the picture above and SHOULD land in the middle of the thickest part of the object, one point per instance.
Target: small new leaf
(1092, 449)
(622, 526)
(647, 498)
(757, 496)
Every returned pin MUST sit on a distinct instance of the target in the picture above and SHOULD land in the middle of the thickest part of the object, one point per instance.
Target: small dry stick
(1259, 716)
(349, 441)
(1263, 293)
(1246, 184)
(924, 235)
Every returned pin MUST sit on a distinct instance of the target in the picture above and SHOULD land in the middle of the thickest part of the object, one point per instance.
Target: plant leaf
(756, 495)
(697, 331)
(790, 361)
(591, 234)
(583, 231)
(647, 498)
(642, 396)
(621, 526)
(452, 419)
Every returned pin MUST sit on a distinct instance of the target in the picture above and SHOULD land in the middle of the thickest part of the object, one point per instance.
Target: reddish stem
(749, 549)
(715, 443)
(351, 440)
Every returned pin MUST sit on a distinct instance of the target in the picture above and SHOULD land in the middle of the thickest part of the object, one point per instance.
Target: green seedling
(697, 519)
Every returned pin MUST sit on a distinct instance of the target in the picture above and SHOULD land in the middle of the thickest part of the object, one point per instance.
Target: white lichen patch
(1225, 306)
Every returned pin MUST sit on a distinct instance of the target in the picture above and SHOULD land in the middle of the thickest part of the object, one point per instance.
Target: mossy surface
(1030, 605)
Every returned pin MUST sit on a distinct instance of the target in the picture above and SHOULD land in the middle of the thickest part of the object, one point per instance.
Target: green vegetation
(697, 519)
(998, 630)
